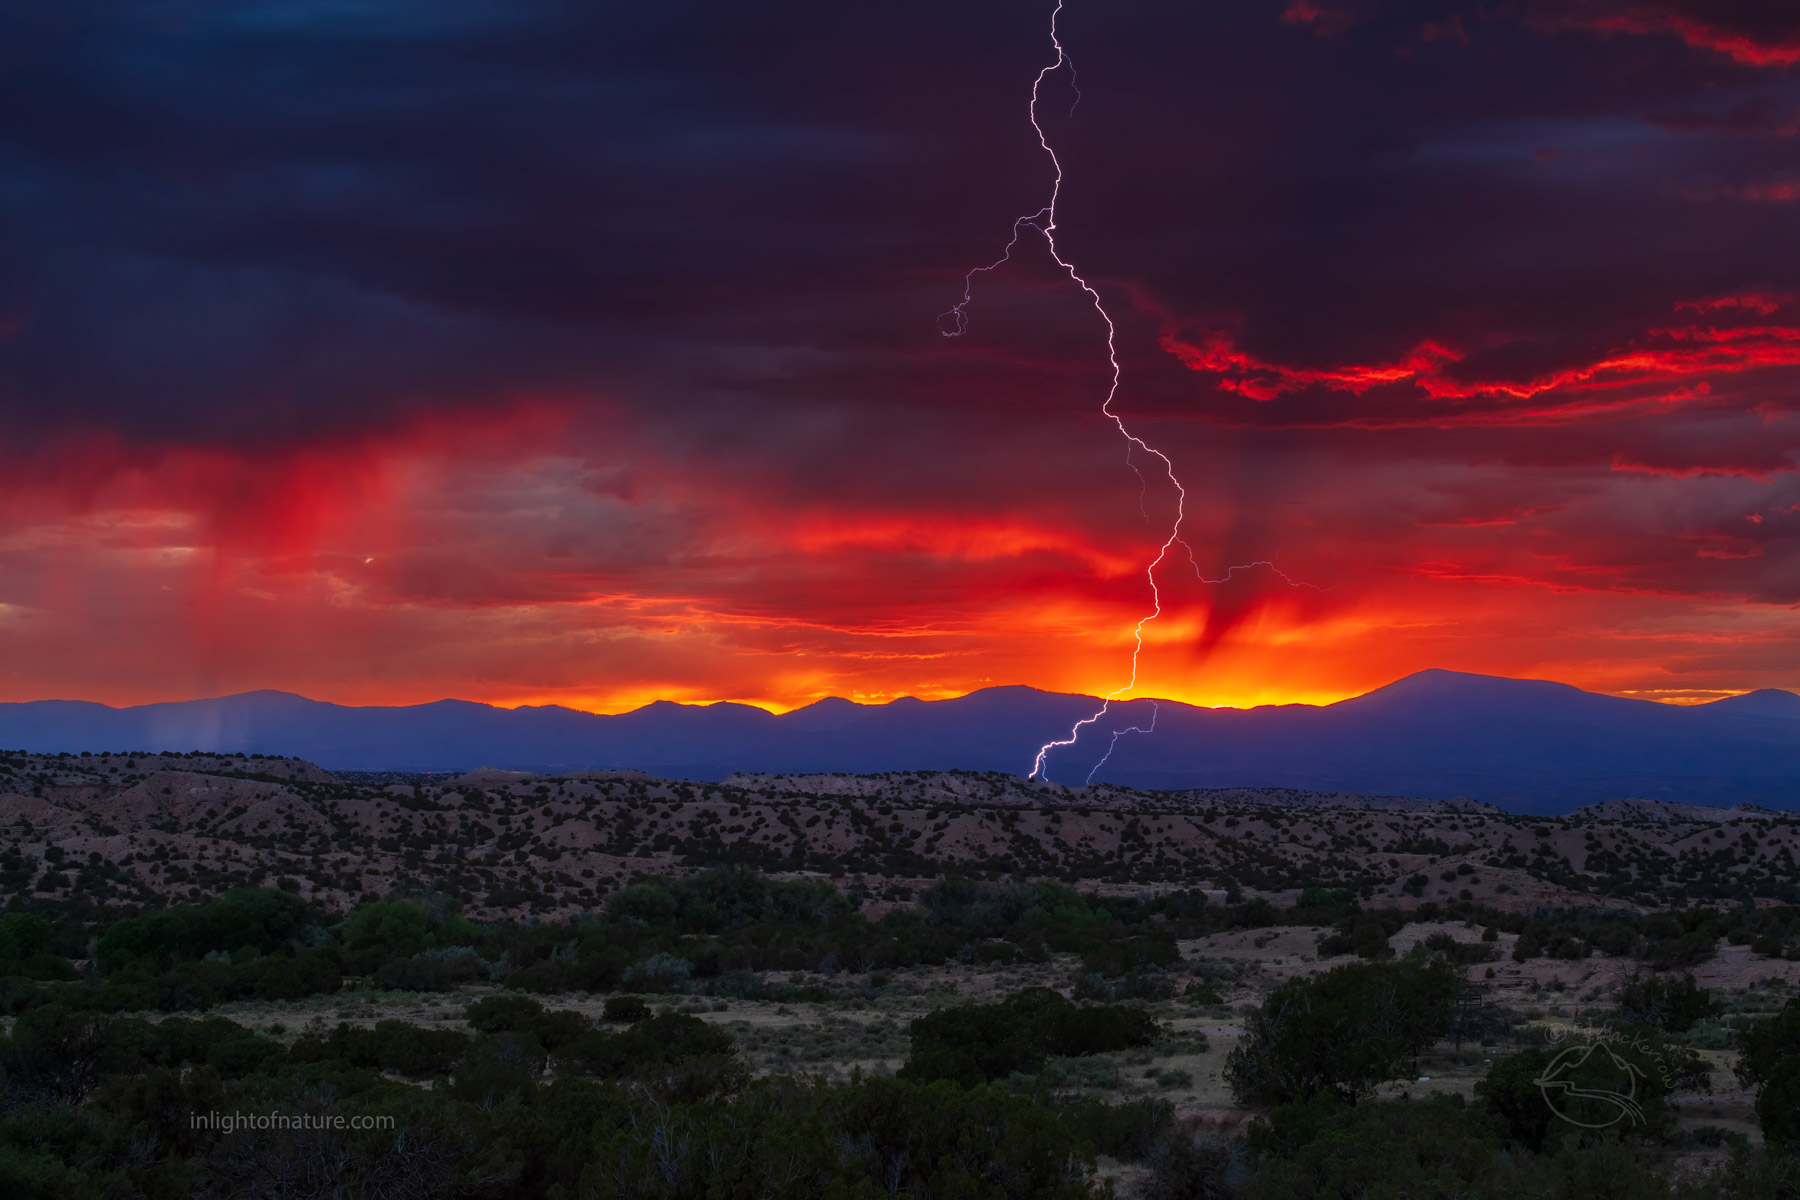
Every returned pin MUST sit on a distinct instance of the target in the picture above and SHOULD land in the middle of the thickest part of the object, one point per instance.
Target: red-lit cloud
(1434, 385)
(555, 356)
(1755, 34)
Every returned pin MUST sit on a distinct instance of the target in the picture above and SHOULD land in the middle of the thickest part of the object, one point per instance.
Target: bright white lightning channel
(956, 322)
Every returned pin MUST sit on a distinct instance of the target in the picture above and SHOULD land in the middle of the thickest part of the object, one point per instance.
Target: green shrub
(1364, 934)
(1769, 1062)
(1322, 906)
(63, 1050)
(414, 975)
(659, 973)
(1688, 950)
(1126, 1131)
(244, 1053)
(492, 1014)
(645, 1049)
(526, 1017)
(22, 936)
(625, 1009)
(1129, 956)
(383, 930)
(1202, 993)
(390, 1046)
(1437, 1147)
(1342, 1032)
(1149, 985)
(973, 1043)
(1671, 1005)
(286, 976)
(742, 984)
(1182, 1167)
(877, 1137)
(254, 918)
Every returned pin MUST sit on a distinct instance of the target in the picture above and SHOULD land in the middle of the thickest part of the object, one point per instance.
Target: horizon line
(774, 709)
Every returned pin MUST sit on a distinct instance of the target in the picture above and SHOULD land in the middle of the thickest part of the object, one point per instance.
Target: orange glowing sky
(300, 390)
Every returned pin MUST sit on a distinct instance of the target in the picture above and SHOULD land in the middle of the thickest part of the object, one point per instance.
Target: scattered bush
(1671, 1005)
(1688, 950)
(390, 1046)
(1202, 993)
(625, 1009)
(1342, 1032)
(648, 1048)
(659, 973)
(1769, 1061)
(1364, 934)
(973, 1043)
(1130, 956)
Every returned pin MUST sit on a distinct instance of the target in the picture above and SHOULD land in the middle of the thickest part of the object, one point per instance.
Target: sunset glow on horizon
(632, 392)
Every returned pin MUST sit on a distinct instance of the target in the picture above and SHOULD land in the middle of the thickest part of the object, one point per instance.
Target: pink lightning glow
(956, 322)
(1044, 221)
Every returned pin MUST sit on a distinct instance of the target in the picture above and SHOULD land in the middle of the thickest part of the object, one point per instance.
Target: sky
(542, 351)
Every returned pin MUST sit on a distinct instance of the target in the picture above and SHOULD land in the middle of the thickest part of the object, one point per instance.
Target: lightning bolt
(1249, 566)
(956, 322)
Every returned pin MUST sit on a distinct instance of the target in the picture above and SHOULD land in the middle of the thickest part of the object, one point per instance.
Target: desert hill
(129, 828)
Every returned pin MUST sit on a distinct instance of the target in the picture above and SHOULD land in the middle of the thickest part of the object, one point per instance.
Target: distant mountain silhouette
(1529, 745)
(1768, 702)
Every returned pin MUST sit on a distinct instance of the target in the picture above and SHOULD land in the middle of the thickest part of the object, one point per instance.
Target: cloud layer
(542, 351)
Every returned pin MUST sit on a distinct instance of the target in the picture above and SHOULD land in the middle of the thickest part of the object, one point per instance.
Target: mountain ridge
(1529, 745)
